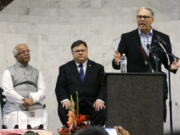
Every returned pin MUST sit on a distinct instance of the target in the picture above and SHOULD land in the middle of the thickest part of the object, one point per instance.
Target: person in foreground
(146, 49)
(24, 89)
(85, 77)
(94, 130)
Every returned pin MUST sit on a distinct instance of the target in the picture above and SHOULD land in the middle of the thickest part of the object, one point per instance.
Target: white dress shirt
(22, 118)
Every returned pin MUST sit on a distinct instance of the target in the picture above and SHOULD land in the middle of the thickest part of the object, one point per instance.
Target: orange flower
(71, 119)
(80, 119)
(63, 131)
(75, 121)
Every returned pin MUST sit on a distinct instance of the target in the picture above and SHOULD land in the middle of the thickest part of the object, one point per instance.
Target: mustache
(142, 24)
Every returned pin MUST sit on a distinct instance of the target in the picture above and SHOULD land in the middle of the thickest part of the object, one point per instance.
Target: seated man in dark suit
(87, 78)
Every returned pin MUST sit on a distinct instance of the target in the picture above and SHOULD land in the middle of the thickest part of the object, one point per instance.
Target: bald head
(21, 53)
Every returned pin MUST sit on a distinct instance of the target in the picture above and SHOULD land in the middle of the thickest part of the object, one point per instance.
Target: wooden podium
(135, 101)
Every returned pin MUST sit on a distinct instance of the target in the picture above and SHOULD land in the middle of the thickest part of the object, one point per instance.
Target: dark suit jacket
(130, 44)
(69, 82)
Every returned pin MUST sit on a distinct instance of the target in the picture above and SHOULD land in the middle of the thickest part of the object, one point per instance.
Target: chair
(2, 102)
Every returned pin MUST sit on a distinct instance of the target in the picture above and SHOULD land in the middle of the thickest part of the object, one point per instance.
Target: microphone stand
(150, 66)
(156, 61)
(169, 84)
(170, 104)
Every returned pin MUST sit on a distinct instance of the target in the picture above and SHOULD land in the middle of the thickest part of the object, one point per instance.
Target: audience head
(145, 18)
(22, 53)
(174, 133)
(31, 133)
(79, 51)
(94, 130)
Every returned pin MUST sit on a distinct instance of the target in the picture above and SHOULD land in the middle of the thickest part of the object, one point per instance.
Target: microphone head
(149, 46)
(159, 39)
(155, 41)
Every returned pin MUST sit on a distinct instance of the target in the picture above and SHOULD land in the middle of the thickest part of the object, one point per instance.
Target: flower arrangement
(75, 121)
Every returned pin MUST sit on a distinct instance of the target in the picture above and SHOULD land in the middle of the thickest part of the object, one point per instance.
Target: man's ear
(152, 19)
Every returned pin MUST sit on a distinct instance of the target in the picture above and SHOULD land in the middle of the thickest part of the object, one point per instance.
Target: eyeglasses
(24, 51)
(78, 51)
(143, 16)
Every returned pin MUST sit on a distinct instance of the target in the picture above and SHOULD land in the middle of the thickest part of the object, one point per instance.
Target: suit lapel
(75, 70)
(139, 46)
(154, 38)
(137, 38)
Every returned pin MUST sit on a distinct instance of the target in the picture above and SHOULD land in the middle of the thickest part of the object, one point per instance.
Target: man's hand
(175, 65)
(121, 131)
(117, 57)
(27, 102)
(98, 105)
(67, 104)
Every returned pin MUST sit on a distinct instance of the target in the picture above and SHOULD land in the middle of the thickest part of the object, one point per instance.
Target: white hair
(15, 51)
(149, 9)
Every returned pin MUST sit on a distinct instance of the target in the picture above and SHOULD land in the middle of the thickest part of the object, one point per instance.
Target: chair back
(2, 98)
(2, 102)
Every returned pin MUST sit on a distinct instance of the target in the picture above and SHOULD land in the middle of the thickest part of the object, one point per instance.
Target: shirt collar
(142, 34)
(21, 65)
(84, 64)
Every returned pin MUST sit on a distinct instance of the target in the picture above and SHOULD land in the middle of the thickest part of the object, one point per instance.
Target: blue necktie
(81, 72)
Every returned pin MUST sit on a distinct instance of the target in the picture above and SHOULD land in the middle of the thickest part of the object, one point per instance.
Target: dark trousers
(85, 108)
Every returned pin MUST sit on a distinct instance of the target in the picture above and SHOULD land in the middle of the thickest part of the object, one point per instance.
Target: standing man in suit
(135, 45)
(142, 45)
(87, 78)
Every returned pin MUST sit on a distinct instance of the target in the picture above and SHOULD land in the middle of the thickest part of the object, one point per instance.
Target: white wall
(50, 26)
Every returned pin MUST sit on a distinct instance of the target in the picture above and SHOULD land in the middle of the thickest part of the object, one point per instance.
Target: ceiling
(4, 3)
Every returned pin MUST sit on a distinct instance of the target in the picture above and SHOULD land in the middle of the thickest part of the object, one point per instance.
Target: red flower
(75, 121)
(64, 131)
(81, 119)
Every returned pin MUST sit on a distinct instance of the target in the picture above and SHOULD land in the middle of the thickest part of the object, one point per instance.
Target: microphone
(153, 51)
(149, 47)
(161, 40)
